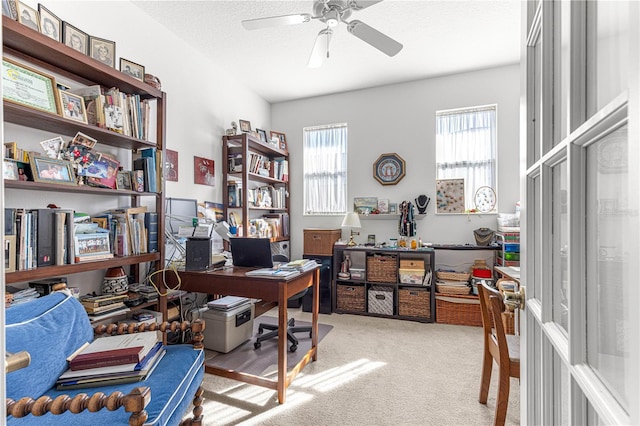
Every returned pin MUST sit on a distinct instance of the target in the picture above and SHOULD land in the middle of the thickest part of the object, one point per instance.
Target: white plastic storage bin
(226, 330)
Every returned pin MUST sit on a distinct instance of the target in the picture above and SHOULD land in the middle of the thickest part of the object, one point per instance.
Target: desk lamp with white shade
(351, 220)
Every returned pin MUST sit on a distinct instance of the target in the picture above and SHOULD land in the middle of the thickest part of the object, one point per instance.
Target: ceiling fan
(332, 12)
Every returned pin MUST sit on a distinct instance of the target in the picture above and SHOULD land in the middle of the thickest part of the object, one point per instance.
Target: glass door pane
(561, 65)
(607, 52)
(560, 230)
(610, 221)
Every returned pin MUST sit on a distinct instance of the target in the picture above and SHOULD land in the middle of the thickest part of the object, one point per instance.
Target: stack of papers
(301, 265)
(227, 303)
(273, 273)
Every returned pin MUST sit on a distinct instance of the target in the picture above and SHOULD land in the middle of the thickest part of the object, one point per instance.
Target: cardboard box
(319, 242)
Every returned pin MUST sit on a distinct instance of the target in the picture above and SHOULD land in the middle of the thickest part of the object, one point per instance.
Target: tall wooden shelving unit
(36, 50)
(244, 145)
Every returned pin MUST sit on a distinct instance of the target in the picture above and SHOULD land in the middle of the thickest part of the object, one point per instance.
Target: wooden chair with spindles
(500, 347)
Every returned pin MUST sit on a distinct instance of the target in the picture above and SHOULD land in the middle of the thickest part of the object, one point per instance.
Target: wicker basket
(452, 289)
(453, 276)
(382, 268)
(414, 303)
(458, 310)
(350, 297)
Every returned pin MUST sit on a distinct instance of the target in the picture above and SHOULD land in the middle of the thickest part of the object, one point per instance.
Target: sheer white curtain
(466, 148)
(325, 169)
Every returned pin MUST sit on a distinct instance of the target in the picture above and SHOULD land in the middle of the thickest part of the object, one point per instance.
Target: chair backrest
(485, 291)
(497, 307)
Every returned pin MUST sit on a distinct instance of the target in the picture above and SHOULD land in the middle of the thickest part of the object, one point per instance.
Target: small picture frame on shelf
(50, 24)
(123, 180)
(91, 245)
(103, 50)
(28, 16)
(245, 126)
(10, 170)
(28, 87)
(9, 253)
(263, 135)
(132, 69)
(52, 146)
(11, 150)
(10, 9)
(282, 139)
(51, 170)
(72, 106)
(75, 38)
(393, 208)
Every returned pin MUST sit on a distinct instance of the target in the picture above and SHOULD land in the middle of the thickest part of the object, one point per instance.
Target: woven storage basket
(452, 289)
(380, 300)
(414, 303)
(453, 276)
(350, 297)
(382, 268)
(458, 310)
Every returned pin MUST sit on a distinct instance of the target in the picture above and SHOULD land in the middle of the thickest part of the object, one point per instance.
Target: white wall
(400, 118)
(202, 100)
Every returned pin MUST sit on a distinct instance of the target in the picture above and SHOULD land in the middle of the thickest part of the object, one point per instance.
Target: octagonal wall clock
(389, 169)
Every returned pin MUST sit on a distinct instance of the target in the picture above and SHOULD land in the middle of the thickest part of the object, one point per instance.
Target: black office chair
(291, 325)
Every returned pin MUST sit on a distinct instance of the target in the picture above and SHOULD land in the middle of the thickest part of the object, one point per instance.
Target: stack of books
(19, 295)
(110, 360)
(104, 306)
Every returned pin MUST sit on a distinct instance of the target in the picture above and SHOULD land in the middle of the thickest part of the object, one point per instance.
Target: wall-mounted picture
(450, 196)
(245, 126)
(282, 139)
(123, 180)
(50, 24)
(263, 135)
(52, 146)
(103, 50)
(132, 69)
(171, 165)
(75, 38)
(50, 170)
(203, 171)
(28, 16)
(72, 106)
(26, 86)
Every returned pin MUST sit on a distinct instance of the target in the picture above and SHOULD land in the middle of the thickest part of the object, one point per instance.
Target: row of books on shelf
(262, 197)
(272, 225)
(260, 164)
(45, 237)
(117, 111)
(110, 360)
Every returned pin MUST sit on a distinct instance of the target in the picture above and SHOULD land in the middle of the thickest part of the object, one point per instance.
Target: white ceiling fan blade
(275, 21)
(375, 38)
(362, 4)
(320, 48)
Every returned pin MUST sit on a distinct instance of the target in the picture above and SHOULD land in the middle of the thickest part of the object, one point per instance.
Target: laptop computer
(251, 252)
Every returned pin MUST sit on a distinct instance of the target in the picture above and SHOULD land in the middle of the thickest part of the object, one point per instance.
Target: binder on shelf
(144, 164)
(44, 234)
(152, 154)
(151, 225)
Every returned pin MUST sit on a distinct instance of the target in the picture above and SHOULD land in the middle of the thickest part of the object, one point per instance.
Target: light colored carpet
(372, 371)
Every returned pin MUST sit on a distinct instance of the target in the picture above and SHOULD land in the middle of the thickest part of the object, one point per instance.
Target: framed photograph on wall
(203, 171)
(50, 24)
(75, 38)
(450, 196)
(103, 50)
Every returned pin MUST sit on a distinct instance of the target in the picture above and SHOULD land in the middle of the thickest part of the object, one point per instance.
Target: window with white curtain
(466, 148)
(325, 169)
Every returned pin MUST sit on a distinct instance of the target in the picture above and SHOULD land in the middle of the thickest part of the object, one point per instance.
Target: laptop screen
(251, 252)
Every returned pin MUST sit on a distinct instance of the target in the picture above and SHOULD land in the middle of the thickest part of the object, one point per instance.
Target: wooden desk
(509, 272)
(234, 282)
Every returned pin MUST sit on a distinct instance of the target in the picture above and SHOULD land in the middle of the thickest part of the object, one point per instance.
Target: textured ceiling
(439, 37)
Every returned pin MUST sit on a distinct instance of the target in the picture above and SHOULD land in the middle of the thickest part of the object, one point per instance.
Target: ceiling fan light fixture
(332, 18)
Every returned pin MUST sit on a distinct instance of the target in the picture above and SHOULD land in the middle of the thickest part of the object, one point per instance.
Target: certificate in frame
(26, 86)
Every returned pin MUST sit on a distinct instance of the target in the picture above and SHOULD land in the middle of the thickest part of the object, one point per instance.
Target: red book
(132, 355)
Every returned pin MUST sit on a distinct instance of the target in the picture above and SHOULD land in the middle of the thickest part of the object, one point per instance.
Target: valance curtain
(466, 148)
(325, 169)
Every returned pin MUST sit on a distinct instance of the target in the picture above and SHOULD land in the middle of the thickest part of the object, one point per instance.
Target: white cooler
(226, 330)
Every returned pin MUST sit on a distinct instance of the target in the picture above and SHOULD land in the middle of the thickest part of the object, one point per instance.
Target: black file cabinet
(325, 285)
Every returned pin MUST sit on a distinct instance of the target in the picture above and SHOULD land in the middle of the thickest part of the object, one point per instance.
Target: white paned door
(580, 223)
